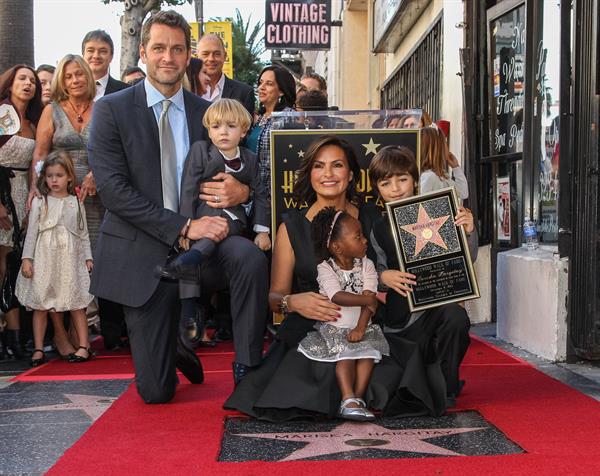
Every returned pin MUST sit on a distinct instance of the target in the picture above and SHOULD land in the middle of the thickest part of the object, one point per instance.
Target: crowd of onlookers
(83, 196)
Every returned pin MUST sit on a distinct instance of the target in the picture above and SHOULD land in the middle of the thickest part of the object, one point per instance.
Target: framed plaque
(433, 248)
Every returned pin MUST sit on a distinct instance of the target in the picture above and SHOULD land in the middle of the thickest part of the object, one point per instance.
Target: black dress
(288, 385)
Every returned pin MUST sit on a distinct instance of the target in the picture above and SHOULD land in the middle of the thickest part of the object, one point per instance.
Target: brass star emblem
(371, 147)
(426, 230)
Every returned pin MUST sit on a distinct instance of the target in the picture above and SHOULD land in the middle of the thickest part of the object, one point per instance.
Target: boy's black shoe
(174, 270)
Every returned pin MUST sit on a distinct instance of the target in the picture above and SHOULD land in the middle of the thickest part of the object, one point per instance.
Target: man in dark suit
(139, 139)
(211, 50)
(97, 49)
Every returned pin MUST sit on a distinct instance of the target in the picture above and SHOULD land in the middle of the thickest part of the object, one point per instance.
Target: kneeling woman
(288, 385)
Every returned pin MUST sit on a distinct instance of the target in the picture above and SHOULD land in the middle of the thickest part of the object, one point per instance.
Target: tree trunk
(16, 40)
(131, 30)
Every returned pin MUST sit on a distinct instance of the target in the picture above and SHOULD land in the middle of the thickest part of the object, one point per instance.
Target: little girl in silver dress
(348, 278)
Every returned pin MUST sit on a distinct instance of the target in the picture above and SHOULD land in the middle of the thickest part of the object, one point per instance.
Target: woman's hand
(5, 221)
(89, 264)
(33, 193)
(313, 306)
(452, 160)
(27, 268)
(224, 191)
(464, 217)
(87, 188)
(399, 281)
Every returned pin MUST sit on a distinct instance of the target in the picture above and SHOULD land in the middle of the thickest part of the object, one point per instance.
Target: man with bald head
(211, 50)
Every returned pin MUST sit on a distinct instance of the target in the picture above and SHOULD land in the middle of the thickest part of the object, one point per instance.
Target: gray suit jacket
(137, 232)
(233, 89)
(204, 162)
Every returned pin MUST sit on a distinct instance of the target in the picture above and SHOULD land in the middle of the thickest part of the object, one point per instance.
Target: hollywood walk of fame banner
(289, 145)
(433, 248)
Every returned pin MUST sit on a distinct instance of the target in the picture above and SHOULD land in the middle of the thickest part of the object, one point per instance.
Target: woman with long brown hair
(20, 88)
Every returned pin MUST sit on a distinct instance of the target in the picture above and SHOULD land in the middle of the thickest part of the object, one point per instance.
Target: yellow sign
(224, 31)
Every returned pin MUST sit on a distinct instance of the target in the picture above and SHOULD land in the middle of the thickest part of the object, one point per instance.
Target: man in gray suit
(138, 143)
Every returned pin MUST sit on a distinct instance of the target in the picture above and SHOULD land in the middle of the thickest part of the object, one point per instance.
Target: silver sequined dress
(329, 343)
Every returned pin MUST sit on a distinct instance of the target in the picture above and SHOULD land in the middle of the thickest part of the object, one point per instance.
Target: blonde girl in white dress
(57, 257)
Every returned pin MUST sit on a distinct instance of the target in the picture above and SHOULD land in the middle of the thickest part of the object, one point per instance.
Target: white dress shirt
(257, 228)
(216, 93)
(101, 86)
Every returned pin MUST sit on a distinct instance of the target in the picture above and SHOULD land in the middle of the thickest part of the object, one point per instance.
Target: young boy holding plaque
(394, 175)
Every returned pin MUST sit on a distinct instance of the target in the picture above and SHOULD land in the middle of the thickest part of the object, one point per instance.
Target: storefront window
(507, 47)
(547, 79)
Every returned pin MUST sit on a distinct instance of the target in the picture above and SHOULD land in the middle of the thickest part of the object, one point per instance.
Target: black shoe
(206, 343)
(40, 361)
(78, 359)
(175, 271)
(113, 343)
(239, 372)
(187, 361)
(222, 335)
(13, 344)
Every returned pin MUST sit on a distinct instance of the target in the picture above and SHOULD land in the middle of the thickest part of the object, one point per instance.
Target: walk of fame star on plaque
(432, 248)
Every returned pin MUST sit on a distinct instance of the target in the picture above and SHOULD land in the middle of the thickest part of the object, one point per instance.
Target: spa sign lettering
(298, 24)
(507, 45)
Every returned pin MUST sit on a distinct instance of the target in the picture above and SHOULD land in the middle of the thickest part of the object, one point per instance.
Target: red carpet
(557, 426)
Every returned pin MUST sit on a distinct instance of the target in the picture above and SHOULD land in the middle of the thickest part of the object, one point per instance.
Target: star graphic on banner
(371, 147)
(290, 146)
(92, 405)
(356, 436)
(426, 230)
(301, 153)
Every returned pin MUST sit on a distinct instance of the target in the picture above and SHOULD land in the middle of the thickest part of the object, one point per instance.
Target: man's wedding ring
(217, 198)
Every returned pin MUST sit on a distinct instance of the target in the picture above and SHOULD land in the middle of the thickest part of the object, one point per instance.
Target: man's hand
(263, 241)
(89, 264)
(27, 268)
(5, 221)
(213, 228)
(184, 243)
(225, 191)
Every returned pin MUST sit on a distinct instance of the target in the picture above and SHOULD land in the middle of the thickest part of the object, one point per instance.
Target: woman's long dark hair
(323, 233)
(303, 190)
(193, 73)
(286, 84)
(34, 108)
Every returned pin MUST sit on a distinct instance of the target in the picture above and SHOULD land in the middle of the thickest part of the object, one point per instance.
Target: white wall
(531, 300)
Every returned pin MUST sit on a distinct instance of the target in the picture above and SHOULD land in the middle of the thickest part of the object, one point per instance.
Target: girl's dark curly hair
(303, 190)
(322, 232)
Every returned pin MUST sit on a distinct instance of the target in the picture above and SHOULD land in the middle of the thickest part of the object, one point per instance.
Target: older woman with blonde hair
(64, 124)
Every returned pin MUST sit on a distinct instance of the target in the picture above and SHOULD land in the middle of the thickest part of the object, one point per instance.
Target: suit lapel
(149, 143)
(227, 88)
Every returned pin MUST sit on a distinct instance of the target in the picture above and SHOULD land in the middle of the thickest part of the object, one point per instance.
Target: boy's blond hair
(227, 110)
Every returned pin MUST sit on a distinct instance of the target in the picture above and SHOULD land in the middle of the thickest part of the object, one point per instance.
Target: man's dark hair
(98, 35)
(168, 18)
(317, 77)
(312, 101)
(131, 70)
(45, 67)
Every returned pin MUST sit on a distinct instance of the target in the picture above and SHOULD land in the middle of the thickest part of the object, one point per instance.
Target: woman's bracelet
(283, 305)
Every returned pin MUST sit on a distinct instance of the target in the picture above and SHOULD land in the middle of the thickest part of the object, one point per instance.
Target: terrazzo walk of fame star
(455, 434)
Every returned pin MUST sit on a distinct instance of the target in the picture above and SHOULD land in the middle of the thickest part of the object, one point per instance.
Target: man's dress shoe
(187, 361)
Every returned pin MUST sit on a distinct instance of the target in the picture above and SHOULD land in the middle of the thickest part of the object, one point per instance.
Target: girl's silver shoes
(359, 413)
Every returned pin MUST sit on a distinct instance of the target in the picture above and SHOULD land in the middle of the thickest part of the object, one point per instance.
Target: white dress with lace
(61, 281)
(17, 153)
